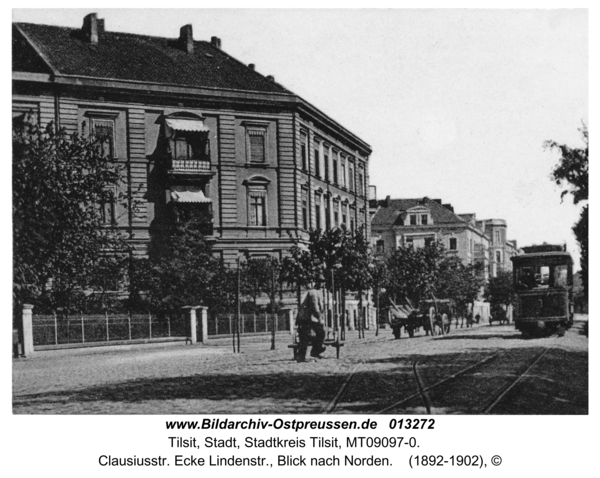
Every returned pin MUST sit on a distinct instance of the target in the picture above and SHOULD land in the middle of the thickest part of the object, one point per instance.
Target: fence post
(82, 328)
(107, 334)
(290, 314)
(129, 323)
(149, 325)
(192, 321)
(55, 328)
(27, 330)
(203, 324)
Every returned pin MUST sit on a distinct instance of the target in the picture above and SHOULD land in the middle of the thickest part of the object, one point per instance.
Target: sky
(456, 104)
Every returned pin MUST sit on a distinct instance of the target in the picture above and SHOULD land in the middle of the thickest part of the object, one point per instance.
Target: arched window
(256, 198)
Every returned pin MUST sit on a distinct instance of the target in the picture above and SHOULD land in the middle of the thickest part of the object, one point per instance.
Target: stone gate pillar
(26, 330)
(198, 326)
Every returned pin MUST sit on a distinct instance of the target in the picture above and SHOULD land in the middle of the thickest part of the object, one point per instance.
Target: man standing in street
(310, 321)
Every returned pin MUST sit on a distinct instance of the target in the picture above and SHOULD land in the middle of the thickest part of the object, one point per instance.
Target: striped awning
(188, 194)
(186, 124)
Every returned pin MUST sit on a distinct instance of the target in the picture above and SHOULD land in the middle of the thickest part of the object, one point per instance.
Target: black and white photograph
(350, 212)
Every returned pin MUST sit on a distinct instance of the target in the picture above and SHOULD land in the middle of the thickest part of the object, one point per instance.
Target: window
(23, 115)
(345, 214)
(428, 241)
(326, 164)
(317, 163)
(327, 213)
(190, 146)
(257, 201)
(498, 257)
(361, 181)
(305, 209)
(108, 207)
(318, 210)
(258, 213)
(560, 276)
(256, 141)
(351, 176)
(424, 219)
(336, 213)
(453, 244)
(408, 241)
(413, 219)
(335, 168)
(343, 175)
(380, 247)
(103, 131)
(497, 237)
(304, 152)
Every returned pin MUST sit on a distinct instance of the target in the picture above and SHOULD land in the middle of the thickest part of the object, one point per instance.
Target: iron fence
(260, 323)
(86, 328)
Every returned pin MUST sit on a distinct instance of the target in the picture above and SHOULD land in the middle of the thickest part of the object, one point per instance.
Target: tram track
(502, 393)
(450, 387)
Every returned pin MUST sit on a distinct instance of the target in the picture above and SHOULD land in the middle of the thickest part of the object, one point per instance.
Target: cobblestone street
(180, 379)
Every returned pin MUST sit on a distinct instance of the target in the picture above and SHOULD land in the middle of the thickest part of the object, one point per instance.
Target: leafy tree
(336, 254)
(459, 282)
(499, 291)
(62, 238)
(182, 271)
(572, 173)
(413, 273)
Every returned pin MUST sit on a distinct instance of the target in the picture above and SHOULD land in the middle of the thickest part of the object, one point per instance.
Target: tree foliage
(572, 173)
(63, 244)
(572, 170)
(181, 273)
(499, 290)
(419, 274)
(459, 282)
(413, 273)
(336, 253)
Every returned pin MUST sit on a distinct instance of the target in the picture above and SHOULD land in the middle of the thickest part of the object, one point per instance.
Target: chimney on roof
(271, 78)
(216, 42)
(90, 28)
(252, 66)
(439, 201)
(449, 207)
(186, 38)
(387, 201)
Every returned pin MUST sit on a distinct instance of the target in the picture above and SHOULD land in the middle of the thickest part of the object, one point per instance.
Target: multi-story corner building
(416, 222)
(501, 249)
(197, 131)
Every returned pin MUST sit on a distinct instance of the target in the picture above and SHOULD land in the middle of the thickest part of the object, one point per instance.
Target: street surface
(487, 369)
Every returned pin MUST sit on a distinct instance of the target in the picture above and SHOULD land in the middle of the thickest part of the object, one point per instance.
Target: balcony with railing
(194, 167)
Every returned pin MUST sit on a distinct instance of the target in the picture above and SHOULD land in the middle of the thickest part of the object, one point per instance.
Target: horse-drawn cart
(404, 315)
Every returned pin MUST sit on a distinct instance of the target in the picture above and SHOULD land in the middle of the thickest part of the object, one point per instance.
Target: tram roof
(535, 256)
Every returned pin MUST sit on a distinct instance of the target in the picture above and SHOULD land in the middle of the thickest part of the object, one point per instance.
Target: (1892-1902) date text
(440, 460)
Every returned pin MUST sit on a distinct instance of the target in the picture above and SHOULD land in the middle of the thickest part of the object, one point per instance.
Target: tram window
(526, 278)
(533, 277)
(543, 277)
(560, 276)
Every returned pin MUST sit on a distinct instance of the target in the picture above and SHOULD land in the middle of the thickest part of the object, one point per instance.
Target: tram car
(543, 287)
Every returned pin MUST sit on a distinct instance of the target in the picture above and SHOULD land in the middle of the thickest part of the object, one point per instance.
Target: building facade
(197, 132)
(501, 249)
(417, 222)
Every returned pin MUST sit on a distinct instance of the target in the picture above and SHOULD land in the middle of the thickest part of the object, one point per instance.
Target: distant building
(416, 222)
(501, 249)
(196, 130)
